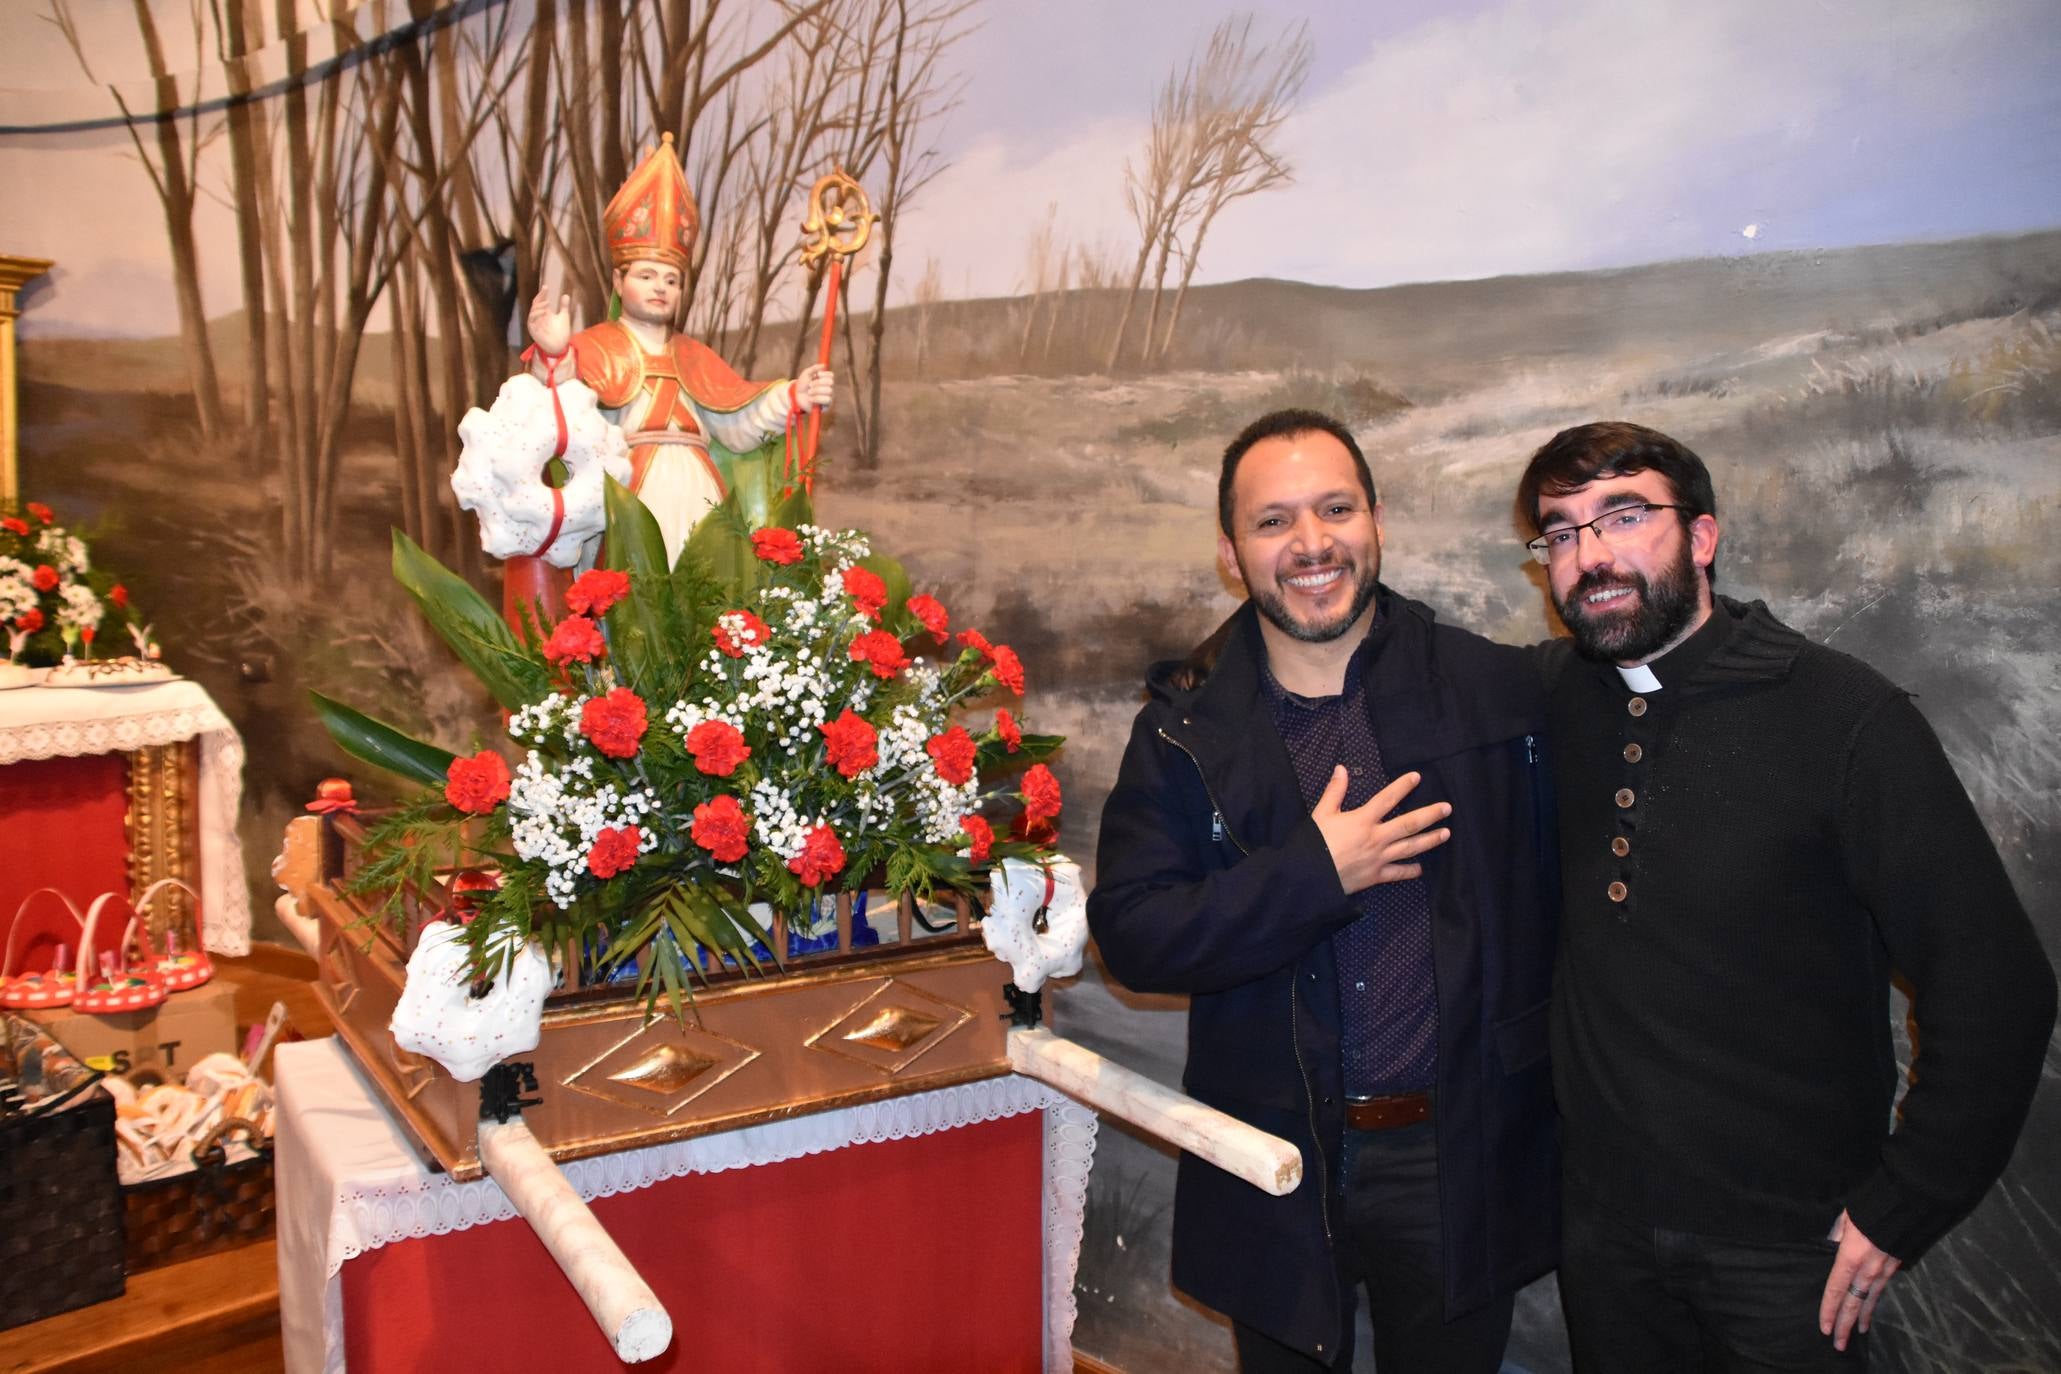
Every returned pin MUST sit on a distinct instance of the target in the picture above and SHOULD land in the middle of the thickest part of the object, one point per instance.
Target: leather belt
(1387, 1113)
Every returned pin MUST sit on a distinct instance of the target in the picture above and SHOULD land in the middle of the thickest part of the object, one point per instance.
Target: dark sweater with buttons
(1747, 853)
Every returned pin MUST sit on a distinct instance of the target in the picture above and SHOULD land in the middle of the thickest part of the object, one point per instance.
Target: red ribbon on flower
(551, 362)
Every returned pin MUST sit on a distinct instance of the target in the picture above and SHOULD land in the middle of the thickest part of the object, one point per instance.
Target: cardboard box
(170, 1037)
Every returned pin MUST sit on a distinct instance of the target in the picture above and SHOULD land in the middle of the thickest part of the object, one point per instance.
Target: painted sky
(1434, 141)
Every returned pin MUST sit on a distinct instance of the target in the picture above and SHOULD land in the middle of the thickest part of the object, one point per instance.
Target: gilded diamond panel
(662, 1067)
(892, 1028)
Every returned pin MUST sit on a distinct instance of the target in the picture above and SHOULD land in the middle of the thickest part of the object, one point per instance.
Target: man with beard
(1755, 831)
(1331, 831)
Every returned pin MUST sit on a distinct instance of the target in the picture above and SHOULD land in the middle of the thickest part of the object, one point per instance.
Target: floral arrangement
(682, 747)
(53, 602)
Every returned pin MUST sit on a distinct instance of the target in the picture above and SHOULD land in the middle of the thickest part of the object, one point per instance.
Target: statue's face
(650, 290)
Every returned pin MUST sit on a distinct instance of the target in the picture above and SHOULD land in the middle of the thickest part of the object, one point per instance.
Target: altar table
(934, 1231)
(107, 788)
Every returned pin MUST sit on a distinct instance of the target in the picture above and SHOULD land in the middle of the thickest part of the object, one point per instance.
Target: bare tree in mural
(1246, 97)
(902, 92)
(1214, 126)
(174, 175)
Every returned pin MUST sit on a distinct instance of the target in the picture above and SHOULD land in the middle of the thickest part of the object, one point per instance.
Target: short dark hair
(1615, 448)
(1286, 424)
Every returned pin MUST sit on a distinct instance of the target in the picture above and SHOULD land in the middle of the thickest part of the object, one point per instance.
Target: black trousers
(1644, 1300)
(1389, 1243)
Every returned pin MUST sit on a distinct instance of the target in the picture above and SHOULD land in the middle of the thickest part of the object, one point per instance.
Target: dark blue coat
(1212, 880)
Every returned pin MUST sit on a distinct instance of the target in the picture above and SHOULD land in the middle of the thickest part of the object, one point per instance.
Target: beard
(1274, 606)
(1662, 609)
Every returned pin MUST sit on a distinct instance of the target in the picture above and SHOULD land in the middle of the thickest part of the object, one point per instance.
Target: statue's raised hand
(551, 327)
(813, 388)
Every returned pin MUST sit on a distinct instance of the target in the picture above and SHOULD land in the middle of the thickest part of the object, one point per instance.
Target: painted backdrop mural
(1820, 243)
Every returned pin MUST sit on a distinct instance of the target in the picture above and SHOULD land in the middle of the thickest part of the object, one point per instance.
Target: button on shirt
(1387, 992)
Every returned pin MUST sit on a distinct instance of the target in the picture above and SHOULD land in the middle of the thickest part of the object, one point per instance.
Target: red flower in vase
(1008, 668)
(45, 578)
(775, 545)
(42, 512)
(614, 851)
(982, 836)
(479, 784)
(597, 589)
(574, 639)
(850, 744)
(14, 524)
(881, 652)
(717, 747)
(735, 631)
(722, 828)
(822, 857)
(1009, 730)
(931, 612)
(118, 597)
(1040, 793)
(952, 754)
(866, 590)
(29, 621)
(615, 723)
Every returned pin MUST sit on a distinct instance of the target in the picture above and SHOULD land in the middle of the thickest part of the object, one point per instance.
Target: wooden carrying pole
(623, 1304)
(1267, 1162)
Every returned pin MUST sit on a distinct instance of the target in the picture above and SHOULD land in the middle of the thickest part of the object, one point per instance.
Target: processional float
(745, 869)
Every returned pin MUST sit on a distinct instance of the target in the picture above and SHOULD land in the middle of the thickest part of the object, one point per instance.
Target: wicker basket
(216, 1206)
(60, 1211)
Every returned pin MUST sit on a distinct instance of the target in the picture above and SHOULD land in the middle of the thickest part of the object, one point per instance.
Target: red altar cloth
(61, 826)
(920, 1254)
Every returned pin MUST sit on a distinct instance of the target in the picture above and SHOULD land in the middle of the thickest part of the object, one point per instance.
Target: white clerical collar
(1641, 678)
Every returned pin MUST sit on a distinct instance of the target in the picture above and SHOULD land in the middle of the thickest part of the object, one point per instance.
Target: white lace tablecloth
(55, 722)
(348, 1181)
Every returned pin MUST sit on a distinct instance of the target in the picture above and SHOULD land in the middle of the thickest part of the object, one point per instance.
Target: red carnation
(118, 595)
(881, 652)
(614, 850)
(29, 621)
(931, 612)
(866, 590)
(615, 723)
(574, 638)
(1008, 668)
(41, 512)
(734, 641)
(595, 590)
(775, 545)
(722, 828)
(981, 834)
(478, 784)
(851, 745)
(821, 857)
(1009, 730)
(974, 639)
(86, 633)
(717, 747)
(952, 752)
(45, 578)
(1040, 793)
(14, 524)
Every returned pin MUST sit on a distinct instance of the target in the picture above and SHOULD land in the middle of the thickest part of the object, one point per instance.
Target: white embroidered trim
(1069, 1155)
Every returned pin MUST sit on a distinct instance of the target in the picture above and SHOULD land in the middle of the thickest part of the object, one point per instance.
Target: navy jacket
(1212, 880)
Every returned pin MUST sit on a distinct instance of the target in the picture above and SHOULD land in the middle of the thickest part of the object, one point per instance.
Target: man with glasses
(1755, 831)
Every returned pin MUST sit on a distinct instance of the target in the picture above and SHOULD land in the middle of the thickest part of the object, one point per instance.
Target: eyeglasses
(1612, 527)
